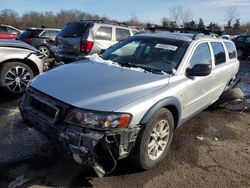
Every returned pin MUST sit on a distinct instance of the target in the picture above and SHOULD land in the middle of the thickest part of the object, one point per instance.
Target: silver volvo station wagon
(127, 101)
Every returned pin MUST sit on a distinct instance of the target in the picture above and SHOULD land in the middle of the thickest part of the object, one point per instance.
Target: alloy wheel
(158, 140)
(17, 78)
(44, 51)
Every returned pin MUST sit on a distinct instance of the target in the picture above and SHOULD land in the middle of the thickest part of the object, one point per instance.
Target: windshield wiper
(152, 69)
(149, 69)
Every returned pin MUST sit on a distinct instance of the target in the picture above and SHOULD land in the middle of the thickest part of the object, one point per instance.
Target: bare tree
(231, 14)
(186, 17)
(180, 16)
(176, 14)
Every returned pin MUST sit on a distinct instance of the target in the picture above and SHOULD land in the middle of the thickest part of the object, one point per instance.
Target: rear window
(231, 50)
(73, 29)
(30, 33)
(219, 53)
(104, 33)
(122, 34)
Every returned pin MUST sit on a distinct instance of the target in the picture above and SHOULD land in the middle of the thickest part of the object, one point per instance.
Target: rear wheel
(14, 77)
(44, 50)
(154, 140)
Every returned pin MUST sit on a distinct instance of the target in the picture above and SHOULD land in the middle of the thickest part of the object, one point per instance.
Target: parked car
(228, 37)
(8, 32)
(78, 39)
(129, 100)
(19, 63)
(243, 45)
(42, 39)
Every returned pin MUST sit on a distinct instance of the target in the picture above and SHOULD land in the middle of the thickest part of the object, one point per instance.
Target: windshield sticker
(166, 47)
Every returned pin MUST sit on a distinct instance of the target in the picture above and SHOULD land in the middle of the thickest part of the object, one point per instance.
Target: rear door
(221, 69)
(69, 39)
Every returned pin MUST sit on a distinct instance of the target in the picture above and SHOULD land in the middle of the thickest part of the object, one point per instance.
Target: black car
(41, 38)
(242, 44)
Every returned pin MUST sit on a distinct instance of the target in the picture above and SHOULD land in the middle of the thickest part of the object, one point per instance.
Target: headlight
(95, 119)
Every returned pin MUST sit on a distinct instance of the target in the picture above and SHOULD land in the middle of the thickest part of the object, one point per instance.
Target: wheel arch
(170, 103)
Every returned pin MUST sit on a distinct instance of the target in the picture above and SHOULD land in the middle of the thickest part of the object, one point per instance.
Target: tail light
(29, 39)
(86, 46)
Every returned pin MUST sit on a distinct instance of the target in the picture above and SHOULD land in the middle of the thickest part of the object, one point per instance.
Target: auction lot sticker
(166, 47)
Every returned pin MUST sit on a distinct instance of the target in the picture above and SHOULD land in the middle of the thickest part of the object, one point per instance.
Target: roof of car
(38, 28)
(177, 36)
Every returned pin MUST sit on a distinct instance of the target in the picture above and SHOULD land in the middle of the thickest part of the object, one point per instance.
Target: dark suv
(242, 44)
(78, 39)
(40, 38)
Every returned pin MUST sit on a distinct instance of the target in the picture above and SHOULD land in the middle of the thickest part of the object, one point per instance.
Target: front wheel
(154, 140)
(14, 77)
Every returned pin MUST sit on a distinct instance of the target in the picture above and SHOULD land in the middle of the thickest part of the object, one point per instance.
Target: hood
(16, 44)
(96, 86)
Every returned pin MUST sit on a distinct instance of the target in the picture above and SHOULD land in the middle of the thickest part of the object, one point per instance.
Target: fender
(169, 101)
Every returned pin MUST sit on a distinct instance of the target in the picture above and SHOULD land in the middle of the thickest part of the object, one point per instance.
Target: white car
(19, 63)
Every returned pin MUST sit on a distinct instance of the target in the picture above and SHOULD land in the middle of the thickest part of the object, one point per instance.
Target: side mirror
(101, 51)
(199, 70)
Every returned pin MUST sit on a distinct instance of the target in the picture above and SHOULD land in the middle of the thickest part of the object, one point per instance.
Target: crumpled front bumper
(97, 148)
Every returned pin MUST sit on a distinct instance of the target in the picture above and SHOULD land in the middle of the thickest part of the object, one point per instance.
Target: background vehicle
(8, 32)
(131, 106)
(42, 39)
(78, 39)
(242, 44)
(19, 63)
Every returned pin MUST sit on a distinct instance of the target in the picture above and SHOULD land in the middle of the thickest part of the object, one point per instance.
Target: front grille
(43, 108)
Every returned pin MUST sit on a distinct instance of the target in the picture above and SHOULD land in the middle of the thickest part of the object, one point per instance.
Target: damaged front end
(94, 145)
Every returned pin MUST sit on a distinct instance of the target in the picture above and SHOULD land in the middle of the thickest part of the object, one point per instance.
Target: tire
(14, 77)
(45, 50)
(231, 95)
(141, 155)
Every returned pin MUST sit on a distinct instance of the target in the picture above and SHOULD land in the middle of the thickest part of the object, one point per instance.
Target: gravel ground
(210, 150)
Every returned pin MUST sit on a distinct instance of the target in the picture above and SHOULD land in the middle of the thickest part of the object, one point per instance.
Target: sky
(146, 10)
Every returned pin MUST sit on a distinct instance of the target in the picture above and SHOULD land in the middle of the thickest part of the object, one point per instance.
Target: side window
(247, 40)
(121, 34)
(12, 31)
(44, 34)
(219, 53)
(201, 55)
(134, 32)
(231, 50)
(104, 33)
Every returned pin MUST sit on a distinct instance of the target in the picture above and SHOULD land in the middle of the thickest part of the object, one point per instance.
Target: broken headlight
(94, 119)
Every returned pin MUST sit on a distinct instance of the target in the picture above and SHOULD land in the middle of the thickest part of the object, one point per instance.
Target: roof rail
(105, 22)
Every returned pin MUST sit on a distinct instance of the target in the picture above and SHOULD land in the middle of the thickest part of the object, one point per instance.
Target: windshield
(150, 53)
